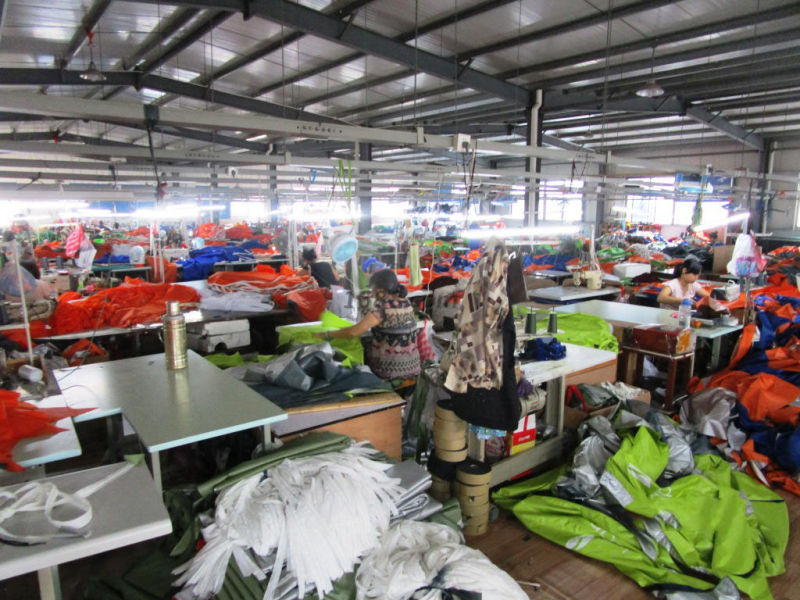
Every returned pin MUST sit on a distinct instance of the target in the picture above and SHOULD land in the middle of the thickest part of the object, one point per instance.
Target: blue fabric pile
(201, 262)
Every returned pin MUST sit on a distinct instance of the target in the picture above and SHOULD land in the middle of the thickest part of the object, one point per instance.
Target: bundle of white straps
(314, 518)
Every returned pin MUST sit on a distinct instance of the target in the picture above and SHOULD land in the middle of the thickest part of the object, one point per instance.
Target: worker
(323, 272)
(392, 352)
(684, 285)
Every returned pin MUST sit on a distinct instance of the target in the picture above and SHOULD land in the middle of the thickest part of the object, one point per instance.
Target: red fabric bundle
(38, 329)
(209, 230)
(240, 231)
(135, 302)
(310, 303)
(169, 270)
(50, 250)
(83, 346)
(22, 420)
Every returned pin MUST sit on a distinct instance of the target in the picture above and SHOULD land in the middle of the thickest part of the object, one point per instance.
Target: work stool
(673, 361)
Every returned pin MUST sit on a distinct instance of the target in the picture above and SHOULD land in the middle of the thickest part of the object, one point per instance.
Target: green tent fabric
(578, 328)
(304, 334)
(714, 521)
(225, 361)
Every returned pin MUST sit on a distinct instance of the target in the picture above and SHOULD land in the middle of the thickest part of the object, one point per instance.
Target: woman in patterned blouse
(392, 353)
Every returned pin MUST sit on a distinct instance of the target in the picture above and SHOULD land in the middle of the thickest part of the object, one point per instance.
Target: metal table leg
(155, 466)
(49, 584)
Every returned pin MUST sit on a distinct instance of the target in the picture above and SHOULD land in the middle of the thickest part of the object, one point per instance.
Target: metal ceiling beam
(674, 80)
(88, 23)
(3, 7)
(705, 53)
(264, 48)
(588, 21)
(171, 25)
(552, 140)
(598, 18)
(369, 42)
(448, 105)
(407, 36)
(682, 35)
(558, 101)
(176, 46)
(719, 123)
(29, 76)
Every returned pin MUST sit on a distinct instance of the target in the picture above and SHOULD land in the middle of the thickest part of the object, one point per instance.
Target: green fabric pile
(577, 328)
(304, 334)
(627, 501)
(612, 254)
(226, 361)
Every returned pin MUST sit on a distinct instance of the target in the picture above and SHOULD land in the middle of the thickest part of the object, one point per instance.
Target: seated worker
(323, 272)
(392, 353)
(683, 286)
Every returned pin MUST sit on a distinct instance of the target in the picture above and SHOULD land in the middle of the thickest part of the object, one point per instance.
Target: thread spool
(472, 490)
(552, 323)
(175, 337)
(441, 489)
(449, 435)
(530, 323)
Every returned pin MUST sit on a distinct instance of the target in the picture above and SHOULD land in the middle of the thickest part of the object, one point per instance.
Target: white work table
(31, 452)
(579, 358)
(127, 510)
(167, 408)
(631, 315)
(570, 294)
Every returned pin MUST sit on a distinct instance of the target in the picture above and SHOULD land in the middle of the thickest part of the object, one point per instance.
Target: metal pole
(23, 302)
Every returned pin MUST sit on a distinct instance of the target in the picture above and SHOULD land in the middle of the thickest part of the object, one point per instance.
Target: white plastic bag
(746, 261)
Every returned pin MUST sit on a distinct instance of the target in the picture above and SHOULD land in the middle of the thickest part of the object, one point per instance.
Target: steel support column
(364, 191)
(533, 137)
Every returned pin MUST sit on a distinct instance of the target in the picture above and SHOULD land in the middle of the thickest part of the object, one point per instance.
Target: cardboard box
(523, 437)
(722, 256)
(663, 339)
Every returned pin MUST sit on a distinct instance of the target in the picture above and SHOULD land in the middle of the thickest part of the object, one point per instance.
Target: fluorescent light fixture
(92, 74)
(517, 232)
(255, 138)
(650, 90)
(176, 211)
(732, 219)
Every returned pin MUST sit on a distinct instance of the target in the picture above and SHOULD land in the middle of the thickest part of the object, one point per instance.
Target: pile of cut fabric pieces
(309, 374)
(284, 287)
(321, 517)
(661, 503)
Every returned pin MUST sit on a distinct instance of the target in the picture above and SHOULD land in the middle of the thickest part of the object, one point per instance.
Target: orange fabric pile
(39, 329)
(50, 250)
(209, 230)
(169, 270)
(264, 278)
(142, 231)
(240, 231)
(23, 420)
(309, 303)
(85, 348)
(133, 303)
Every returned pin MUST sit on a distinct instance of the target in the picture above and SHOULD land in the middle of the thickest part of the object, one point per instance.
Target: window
(561, 200)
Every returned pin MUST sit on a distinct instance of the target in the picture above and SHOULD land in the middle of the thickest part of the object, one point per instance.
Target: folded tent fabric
(132, 303)
(693, 530)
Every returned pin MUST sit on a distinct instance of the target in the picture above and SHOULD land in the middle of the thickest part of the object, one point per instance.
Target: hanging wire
(604, 116)
(416, 59)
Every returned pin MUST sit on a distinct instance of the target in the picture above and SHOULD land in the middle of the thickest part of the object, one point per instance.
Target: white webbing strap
(45, 497)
